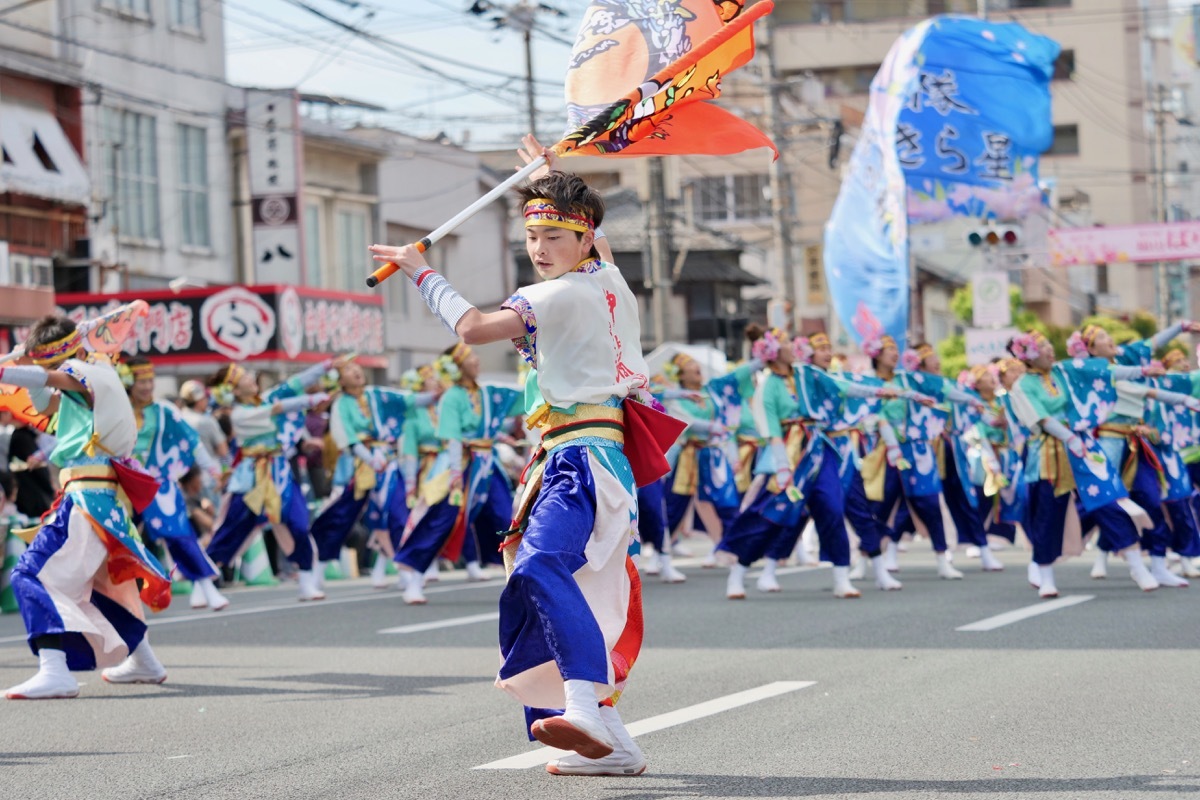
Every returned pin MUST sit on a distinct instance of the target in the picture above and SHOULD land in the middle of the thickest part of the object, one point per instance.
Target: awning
(38, 158)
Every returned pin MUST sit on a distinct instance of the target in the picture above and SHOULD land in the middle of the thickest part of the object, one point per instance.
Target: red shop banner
(245, 323)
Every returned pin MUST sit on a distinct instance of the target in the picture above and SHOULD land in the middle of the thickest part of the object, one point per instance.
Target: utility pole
(658, 228)
(519, 16)
(781, 189)
(1160, 203)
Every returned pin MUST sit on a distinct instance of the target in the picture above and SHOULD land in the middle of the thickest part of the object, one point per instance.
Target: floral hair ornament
(872, 348)
(767, 348)
(1025, 346)
(802, 349)
(446, 368)
(675, 366)
(130, 375)
(414, 379)
(1077, 344)
(911, 360)
(541, 211)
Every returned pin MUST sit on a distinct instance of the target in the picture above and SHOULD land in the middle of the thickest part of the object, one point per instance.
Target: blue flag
(958, 113)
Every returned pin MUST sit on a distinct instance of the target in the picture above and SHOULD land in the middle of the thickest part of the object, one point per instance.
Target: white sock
(581, 700)
(738, 570)
(769, 567)
(1134, 556)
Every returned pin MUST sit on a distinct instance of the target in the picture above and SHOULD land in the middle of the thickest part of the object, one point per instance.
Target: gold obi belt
(559, 429)
(747, 449)
(1140, 444)
(1056, 465)
(264, 498)
(364, 475)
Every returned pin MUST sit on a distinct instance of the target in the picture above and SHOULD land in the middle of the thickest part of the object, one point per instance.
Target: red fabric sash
(649, 434)
(140, 487)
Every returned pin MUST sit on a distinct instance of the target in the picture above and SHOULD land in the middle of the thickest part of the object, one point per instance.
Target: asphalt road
(276, 699)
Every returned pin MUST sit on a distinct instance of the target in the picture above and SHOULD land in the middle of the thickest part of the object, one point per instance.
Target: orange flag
(676, 60)
(16, 399)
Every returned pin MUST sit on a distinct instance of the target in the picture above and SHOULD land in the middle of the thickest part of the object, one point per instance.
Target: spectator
(201, 510)
(195, 413)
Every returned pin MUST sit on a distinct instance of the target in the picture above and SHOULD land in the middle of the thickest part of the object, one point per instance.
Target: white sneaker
(379, 572)
(414, 586)
(945, 571)
(1034, 575)
(1137, 570)
(735, 586)
(475, 573)
(767, 582)
(310, 586)
(199, 599)
(1164, 576)
(216, 600)
(1100, 566)
(842, 587)
(859, 570)
(989, 562)
(1046, 587)
(53, 680)
(142, 666)
(883, 578)
(666, 570)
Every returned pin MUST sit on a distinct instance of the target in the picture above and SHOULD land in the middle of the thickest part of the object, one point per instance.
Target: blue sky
(480, 92)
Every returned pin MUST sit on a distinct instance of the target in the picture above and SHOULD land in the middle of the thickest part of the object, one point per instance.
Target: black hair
(220, 376)
(754, 332)
(570, 195)
(8, 486)
(49, 329)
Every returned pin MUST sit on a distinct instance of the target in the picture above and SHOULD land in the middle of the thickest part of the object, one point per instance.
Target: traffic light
(994, 236)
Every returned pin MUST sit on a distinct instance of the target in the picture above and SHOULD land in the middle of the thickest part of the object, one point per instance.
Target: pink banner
(1166, 241)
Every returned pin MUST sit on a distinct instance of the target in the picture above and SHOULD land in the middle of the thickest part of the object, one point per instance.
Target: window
(313, 257)
(731, 197)
(185, 14)
(1066, 141)
(353, 262)
(1064, 66)
(131, 173)
(193, 185)
(132, 8)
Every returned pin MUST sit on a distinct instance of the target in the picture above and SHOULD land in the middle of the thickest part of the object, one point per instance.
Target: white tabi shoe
(767, 582)
(198, 599)
(858, 570)
(586, 736)
(216, 601)
(842, 587)
(709, 562)
(310, 586)
(433, 575)
(883, 578)
(1164, 576)
(1034, 575)
(666, 570)
(890, 561)
(989, 562)
(1046, 587)
(680, 550)
(1100, 566)
(625, 761)
(414, 588)
(649, 562)
(142, 666)
(379, 572)
(945, 571)
(1188, 568)
(1137, 570)
(475, 573)
(53, 680)
(735, 586)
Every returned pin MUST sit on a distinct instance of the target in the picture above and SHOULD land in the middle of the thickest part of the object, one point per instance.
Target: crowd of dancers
(1105, 442)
